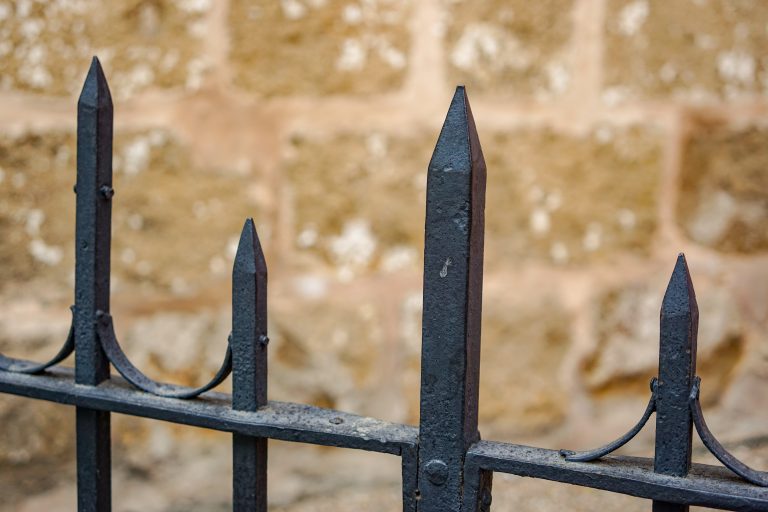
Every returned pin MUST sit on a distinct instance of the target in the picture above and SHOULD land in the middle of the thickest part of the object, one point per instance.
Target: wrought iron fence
(445, 465)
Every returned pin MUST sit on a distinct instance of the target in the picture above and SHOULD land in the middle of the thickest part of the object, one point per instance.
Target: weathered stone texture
(571, 199)
(524, 345)
(319, 46)
(164, 207)
(46, 45)
(627, 323)
(334, 352)
(724, 190)
(358, 200)
(513, 47)
(32, 432)
(696, 49)
(36, 204)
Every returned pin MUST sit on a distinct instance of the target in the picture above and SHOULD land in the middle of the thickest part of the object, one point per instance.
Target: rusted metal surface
(713, 445)
(675, 397)
(453, 289)
(108, 340)
(93, 232)
(611, 447)
(705, 485)
(277, 420)
(445, 465)
(249, 356)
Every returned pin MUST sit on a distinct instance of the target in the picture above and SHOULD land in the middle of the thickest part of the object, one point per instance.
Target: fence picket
(249, 368)
(677, 369)
(92, 271)
(453, 287)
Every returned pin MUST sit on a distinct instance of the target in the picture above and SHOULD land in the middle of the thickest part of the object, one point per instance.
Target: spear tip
(95, 92)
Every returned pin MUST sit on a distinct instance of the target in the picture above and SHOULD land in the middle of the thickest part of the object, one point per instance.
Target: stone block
(358, 201)
(571, 199)
(335, 353)
(724, 188)
(515, 47)
(318, 47)
(46, 46)
(525, 342)
(34, 432)
(697, 49)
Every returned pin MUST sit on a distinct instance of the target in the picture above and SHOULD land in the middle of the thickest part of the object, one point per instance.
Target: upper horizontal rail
(277, 420)
(706, 486)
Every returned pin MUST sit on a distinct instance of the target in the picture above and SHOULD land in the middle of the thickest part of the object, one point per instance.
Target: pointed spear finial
(458, 146)
(249, 258)
(680, 297)
(95, 93)
(249, 322)
(92, 222)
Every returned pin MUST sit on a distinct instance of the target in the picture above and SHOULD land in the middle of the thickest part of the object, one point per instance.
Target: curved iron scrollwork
(707, 437)
(713, 445)
(108, 339)
(12, 365)
(590, 455)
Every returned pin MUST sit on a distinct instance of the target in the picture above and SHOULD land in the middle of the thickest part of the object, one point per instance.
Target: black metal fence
(445, 465)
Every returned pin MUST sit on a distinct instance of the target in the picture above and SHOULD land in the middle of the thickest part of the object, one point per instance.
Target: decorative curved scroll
(106, 332)
(12, 365)
(587, 456)
(713, 445)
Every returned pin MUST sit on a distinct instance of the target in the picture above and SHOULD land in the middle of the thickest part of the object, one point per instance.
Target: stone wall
(617, 133)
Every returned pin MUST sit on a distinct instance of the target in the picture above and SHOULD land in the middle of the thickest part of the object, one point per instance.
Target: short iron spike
(458, 146)
(680, 297)
(95, 92)
(249, 368)
(249, 258)
(677, 371)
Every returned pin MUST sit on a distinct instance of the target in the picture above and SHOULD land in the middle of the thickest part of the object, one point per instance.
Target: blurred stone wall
(617, 133)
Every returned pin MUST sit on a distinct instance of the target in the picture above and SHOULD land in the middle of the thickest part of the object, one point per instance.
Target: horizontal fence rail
(446, 467)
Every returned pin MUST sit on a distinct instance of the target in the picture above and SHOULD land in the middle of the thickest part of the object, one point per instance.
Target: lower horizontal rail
(706, 486)
(278, 420)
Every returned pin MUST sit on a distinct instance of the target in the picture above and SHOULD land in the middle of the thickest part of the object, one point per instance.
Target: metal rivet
(107, 192)
(437, 471)
(264, 339)
(336, 420)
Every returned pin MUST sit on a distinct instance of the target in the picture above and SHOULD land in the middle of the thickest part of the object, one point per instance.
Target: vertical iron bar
(677, 369)
(453, 280)
(249, 368)
(477, 487)
(92, 271)
(410, 471)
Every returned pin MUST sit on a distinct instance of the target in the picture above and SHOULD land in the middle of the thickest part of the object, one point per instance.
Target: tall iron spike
(453, 276)
(92, 273)
(677, 369)
(249, 368)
